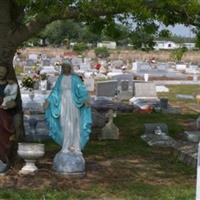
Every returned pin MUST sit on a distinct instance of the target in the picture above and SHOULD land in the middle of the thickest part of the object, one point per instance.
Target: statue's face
(66, 69)
(3, 72)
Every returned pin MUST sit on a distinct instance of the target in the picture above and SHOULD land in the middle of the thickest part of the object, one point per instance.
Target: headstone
(34, 122)
(145, 90)
(156, 134)
(35, 104)
(143, 67)
(185, 97)
(146, 77)
(181, 67)
(117, 63)
(125, 85)
(85, 66)
(89, 83)
(110, 131)
(106, 88)
(124, 77)
(35, 127)
(195, 77)
(46, 62)
(150, 127)
(163, 66)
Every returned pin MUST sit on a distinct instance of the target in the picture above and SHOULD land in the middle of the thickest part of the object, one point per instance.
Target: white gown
(69, 119)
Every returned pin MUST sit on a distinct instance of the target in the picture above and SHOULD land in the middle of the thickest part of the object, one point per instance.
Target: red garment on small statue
(6, 131)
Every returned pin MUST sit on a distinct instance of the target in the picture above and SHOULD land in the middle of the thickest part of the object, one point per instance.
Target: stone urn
(30, 152)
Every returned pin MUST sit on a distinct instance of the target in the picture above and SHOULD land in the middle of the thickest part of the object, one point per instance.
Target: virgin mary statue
(68, 114)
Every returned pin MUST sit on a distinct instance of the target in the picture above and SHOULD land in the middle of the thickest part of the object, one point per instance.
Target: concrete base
(70, 164)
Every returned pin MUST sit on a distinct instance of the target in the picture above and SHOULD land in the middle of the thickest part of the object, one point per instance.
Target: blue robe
(52, 114)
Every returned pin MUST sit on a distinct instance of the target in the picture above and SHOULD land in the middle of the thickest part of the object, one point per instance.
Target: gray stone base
(159, 140)
(70, 164)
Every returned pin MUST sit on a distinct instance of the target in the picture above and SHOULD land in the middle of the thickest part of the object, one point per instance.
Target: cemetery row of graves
(145, 130)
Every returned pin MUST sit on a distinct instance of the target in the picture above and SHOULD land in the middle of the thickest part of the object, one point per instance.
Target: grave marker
(106, 88)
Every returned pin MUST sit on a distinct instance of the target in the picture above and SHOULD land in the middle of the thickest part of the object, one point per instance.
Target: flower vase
(30, 152)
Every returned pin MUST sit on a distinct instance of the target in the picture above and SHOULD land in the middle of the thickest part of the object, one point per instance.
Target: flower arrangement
(28, 82)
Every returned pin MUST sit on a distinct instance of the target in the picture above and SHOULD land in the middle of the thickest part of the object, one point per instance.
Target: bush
(178, 54)
(102, 52)
(80, 47)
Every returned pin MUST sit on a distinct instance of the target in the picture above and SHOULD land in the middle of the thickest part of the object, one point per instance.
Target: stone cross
(110, 130)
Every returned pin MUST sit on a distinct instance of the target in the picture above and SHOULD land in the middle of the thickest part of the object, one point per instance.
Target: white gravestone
(89, 83)
(145, 90)
(146, 77)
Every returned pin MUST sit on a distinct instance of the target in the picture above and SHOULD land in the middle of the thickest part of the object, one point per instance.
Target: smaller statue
(10, 92)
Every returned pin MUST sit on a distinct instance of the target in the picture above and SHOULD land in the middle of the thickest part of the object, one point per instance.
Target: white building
(107, 44)
(188, 45)
(165, 45)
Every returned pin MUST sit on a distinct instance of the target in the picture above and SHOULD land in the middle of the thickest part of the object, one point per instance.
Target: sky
(181, 30)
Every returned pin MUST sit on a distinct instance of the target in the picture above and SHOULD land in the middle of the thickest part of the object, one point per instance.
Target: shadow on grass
(123, 169)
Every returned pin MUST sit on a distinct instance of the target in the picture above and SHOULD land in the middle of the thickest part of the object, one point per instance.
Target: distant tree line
(142, 37)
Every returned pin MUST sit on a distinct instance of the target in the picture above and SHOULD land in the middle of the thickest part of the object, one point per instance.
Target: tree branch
(79, 13)
(34, 26)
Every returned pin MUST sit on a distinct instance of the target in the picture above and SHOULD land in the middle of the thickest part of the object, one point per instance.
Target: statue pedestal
(70, 164)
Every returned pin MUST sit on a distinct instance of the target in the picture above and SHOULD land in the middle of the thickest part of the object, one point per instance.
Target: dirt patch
(135, 169)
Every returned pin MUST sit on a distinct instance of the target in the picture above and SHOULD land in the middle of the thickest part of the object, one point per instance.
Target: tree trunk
(6, 59)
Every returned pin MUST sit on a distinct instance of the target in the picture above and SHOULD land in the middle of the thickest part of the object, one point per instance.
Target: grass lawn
(181, 89)
(123, 169)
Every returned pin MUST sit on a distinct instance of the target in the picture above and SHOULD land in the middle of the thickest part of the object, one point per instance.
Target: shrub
(102, 52)
(80, 47)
